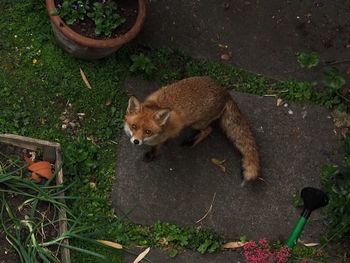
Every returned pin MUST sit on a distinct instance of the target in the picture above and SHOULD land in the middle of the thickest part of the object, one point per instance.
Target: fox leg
(199, 136)
(151, 154)
(202, 135)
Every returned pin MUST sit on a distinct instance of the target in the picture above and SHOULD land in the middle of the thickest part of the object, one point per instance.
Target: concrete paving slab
(262, 36)
(178, 187)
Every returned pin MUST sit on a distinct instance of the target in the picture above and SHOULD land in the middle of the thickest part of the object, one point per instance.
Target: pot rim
(97, 43)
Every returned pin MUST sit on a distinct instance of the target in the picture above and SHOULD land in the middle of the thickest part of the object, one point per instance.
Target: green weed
(336, 182)
(308, 60)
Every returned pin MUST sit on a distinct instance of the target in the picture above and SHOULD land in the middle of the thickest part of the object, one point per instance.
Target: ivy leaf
(308, 60)
(333, 79)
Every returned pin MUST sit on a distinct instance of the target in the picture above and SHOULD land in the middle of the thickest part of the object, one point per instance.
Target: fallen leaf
(83, 76)
(110, 244)
(233, 245)
(223, 46)
(219, 164)
(142, 255)
(279, 102)
(341, 119)
(344, 131)
(209, 210)
(108, 103)
(311, 244)
(226, 56)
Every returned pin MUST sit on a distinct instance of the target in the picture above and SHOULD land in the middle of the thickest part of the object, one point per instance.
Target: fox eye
(148, 132)
(134, 126)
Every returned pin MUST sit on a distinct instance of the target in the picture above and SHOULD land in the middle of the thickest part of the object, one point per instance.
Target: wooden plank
(52, 153)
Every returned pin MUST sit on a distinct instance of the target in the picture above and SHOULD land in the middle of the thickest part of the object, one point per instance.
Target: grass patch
(336, 182)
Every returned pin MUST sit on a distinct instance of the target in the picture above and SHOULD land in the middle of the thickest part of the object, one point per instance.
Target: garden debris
(312, 244)
(39, 169)
(86, 81)
(341, 119)
(304, 114)
(142, 255)
(110, 244)
(234, 245)
(226, 56)
(279, 102)
(222, 46)
(71, 120)
(219, 163)
(209, 210)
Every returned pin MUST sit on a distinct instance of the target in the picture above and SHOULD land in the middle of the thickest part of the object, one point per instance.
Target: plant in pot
(93, 29)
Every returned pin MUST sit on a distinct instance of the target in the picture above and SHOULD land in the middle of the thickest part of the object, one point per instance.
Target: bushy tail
(237, 130)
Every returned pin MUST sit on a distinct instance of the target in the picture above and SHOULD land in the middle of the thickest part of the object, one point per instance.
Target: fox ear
(134, 105)
(162, 116)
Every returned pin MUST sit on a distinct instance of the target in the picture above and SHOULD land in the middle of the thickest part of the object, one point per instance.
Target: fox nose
(136, 141)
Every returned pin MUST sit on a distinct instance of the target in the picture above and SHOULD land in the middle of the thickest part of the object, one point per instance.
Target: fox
(194, 102)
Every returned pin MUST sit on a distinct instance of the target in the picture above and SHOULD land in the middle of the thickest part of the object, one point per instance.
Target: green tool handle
(293, 237)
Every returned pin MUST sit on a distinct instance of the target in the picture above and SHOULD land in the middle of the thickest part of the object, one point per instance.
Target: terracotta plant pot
(40, 169)
(88, 48)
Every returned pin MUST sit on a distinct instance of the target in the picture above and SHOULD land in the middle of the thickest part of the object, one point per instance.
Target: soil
(126, 8)
(44, 210)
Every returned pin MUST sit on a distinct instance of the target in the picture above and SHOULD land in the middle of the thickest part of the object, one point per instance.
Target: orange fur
(193, 102)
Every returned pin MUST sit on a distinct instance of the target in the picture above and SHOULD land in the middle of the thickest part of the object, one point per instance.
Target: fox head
(144, 124)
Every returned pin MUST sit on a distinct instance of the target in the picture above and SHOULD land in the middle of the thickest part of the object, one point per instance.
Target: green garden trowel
(313, 199)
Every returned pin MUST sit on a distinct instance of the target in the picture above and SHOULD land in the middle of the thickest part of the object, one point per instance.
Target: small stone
(290, 112)
(285, 105)
(279, 102)
(64, 126)
(303, 114)
(226, 56)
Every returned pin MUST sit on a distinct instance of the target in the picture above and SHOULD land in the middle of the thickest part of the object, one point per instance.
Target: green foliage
(142, 64)
(104, 14)
(297, 91)
(330, 96)
(25, 223)
(105, 17)
(171, 235)
(336, 182)
(308, 254)
(72, 11)
(80, 158)
(333, 79)
(308, 60)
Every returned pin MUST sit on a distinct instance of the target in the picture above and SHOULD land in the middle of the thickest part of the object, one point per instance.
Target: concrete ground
(294, 141)
(259, 36)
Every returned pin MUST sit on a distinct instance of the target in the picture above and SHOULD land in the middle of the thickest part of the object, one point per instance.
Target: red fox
(193, 102)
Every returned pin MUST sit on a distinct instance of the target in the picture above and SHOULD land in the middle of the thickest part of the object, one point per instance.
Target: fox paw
(149, 156)
(190, 140)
